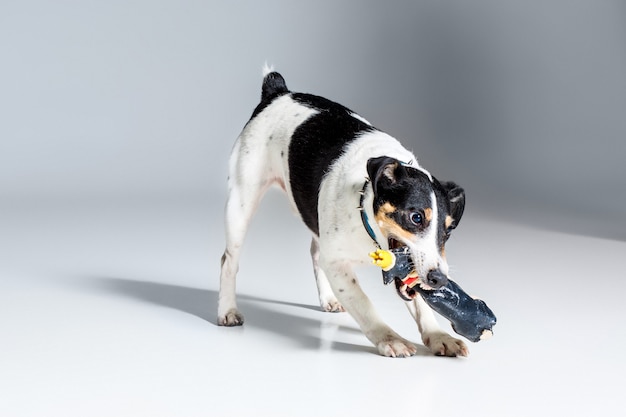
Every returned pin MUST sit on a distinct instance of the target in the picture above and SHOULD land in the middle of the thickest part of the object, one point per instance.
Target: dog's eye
(416, 218)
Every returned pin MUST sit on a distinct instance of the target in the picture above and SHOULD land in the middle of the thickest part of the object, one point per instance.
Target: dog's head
(413, 209)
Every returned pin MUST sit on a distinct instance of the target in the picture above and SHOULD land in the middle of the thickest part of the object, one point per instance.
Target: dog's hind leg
(227, 312)
(247, 183)
(328, 301)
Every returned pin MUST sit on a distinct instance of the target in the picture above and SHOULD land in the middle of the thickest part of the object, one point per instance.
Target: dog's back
(300, 137)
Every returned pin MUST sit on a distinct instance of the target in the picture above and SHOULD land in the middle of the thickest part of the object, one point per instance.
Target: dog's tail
(273, 84)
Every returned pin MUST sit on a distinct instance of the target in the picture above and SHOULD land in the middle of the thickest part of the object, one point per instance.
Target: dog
(357, 189)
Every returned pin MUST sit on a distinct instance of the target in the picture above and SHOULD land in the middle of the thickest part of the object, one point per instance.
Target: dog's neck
(366, 203)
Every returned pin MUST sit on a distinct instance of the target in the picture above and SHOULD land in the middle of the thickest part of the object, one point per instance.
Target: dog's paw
(396, 347)
(232, 318)
(331, 306)
(442, 344)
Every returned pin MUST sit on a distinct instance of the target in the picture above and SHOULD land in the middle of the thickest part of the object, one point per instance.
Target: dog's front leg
(438, 341)
(344, 284)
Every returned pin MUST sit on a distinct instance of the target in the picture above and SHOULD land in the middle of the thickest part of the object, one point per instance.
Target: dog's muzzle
(402, 273)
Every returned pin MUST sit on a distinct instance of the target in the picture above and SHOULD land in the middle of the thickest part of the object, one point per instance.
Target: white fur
(260, 159)
(427, 256)
(361, 118)
(267, 68)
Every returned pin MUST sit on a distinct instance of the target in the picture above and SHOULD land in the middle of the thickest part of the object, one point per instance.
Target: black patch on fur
(408, 190)
(405, 188)
(452, 198)
(274, 86)
(314, 147)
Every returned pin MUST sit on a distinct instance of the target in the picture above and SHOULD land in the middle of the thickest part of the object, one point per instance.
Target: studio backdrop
(522, 103)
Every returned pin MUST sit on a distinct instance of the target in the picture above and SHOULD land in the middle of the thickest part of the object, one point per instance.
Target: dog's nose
(436, 279)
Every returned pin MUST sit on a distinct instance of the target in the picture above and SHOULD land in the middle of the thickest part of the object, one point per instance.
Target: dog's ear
(384, 171)
(456, 198)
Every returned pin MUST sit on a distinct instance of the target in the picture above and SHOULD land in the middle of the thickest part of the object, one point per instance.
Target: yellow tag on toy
(382, 258)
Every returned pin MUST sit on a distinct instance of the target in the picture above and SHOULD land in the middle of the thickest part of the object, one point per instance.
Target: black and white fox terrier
(357, 189)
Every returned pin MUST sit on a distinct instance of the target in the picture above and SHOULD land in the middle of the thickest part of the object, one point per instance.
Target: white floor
(110, 309)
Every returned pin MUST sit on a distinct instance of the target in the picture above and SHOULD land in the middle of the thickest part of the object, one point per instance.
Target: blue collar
(364, 218)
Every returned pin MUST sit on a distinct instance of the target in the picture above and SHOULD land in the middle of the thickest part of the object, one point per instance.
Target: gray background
(522, 103)
(116, 120)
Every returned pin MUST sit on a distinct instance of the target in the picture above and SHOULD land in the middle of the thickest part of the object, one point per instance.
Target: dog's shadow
(260, 313)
